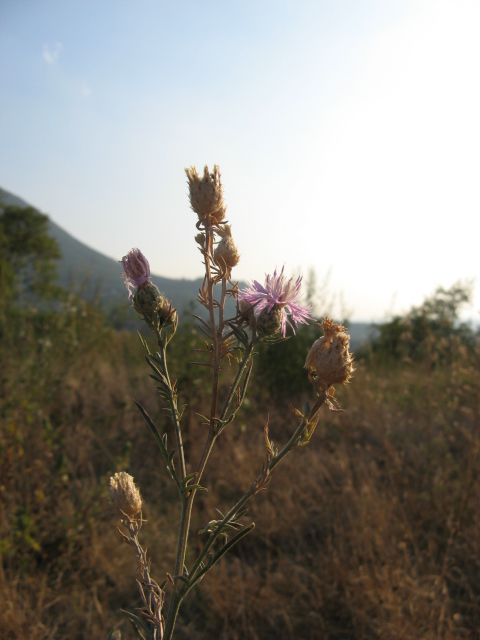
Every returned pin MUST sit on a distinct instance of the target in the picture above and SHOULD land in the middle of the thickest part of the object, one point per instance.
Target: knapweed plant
(263, 312)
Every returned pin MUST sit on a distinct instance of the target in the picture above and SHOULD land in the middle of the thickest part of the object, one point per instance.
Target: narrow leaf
(137, 631)
(241, 534)
(136, 620)
(188, 478)
(154, 430)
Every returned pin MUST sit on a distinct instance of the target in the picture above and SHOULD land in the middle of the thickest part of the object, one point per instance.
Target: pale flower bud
(246, 313)
(226, 249)
(329, 358)
(200, 239)
(206, 194)
(124, 494)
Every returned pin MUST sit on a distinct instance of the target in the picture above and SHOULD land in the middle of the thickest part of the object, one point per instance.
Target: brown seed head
(206, 194)
(124, 494)
(329, 357)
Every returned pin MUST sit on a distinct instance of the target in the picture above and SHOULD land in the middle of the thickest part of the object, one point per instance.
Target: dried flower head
(226, 249)
(329, 358)
(206, 194)
(280, 296)
(136, 270)
(124, 494)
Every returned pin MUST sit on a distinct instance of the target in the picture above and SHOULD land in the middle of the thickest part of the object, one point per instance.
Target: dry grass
(372, 531)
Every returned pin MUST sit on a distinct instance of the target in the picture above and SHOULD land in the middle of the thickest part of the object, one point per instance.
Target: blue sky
(347, 133)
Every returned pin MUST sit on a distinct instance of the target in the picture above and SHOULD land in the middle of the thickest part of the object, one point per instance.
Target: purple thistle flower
(136, 270)
(280, 293)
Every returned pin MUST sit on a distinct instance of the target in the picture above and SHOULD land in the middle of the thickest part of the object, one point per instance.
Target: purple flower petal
(136, 270)
(281, 292)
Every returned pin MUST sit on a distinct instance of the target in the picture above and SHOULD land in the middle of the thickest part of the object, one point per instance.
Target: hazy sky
(347, 133)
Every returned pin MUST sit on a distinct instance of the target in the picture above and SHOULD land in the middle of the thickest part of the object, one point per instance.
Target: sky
(347, 133)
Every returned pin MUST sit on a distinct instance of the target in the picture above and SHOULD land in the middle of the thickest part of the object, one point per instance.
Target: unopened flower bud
(246, 314)
(167, 314)
(226, 249)
(124, 494)
(329, 358)
(153, 306)
(206, 194)
(147, 299)
(200, 239)
(270, 322)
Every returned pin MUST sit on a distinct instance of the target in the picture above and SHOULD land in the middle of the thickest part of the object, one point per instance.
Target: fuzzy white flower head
(124, 494)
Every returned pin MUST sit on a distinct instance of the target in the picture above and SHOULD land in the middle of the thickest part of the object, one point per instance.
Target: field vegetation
(370, 532)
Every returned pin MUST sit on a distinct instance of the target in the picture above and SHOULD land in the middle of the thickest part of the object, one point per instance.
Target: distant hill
(97, 277)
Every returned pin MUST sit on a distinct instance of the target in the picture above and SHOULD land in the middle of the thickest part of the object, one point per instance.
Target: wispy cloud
(52, 52)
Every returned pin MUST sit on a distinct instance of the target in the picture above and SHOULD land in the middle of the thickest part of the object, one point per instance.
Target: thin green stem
(236, 382)
(291, 444)
(175, 603)
(293, 440)
(173, 406)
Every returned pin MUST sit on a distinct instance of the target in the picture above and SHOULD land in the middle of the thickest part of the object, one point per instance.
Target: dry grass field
(370, 532)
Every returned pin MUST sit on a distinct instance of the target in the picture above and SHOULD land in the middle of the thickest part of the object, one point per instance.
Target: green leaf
(137, 623)
(241, 534)
(162, 377)
(246, 381)
(143, 343)
(195, 487)
(155, 431)
(241, 336)
(180, 411)
(137, 631)
(188, 478)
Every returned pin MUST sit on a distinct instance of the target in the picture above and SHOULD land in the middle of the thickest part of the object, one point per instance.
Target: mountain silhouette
(97, 276)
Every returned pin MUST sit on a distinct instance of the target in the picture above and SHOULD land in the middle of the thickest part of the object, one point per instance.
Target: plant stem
(187, 504)
(173, 406)
(246, 497)
(236, 382)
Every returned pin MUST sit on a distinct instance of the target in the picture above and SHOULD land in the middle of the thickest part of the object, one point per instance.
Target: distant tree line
(27, 253)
